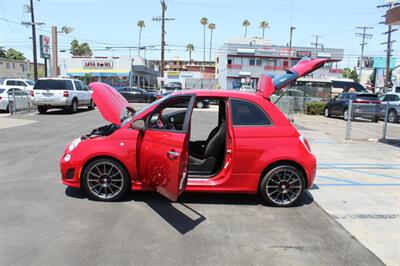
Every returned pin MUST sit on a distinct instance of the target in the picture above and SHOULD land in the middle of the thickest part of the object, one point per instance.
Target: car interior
(206, 157)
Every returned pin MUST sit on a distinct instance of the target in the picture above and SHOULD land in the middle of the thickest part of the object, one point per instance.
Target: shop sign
(44, 46)
(173, 74)
(324, 55)
(303, 53)
(245, 51)
(285, 52)
(99, 64)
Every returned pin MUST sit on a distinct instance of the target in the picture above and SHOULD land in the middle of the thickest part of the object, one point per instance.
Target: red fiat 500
(246, 145)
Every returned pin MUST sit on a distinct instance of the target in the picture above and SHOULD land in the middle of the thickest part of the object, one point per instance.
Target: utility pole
(316, 43)
(162, 19)
(290, 46)
(364, 36)
(388, 43)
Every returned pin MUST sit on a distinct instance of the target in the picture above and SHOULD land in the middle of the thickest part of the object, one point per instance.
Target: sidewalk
(358, 184)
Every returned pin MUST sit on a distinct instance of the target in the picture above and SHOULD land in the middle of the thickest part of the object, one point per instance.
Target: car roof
(57, 79)
(218, 93)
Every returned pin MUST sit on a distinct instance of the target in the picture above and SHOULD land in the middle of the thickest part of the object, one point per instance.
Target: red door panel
(163, 161)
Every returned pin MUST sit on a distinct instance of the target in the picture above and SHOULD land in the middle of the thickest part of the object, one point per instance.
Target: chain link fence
(18, 102)
(372, 121)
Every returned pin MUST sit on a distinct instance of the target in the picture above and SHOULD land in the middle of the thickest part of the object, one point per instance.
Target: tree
(204, 22)
(190, 48)
(350, 74)
(80, 49)
(15, 55)
(141, 25)
(212, 27)
(263, 25)
(245, 24)
(3, 53)
(87, 78)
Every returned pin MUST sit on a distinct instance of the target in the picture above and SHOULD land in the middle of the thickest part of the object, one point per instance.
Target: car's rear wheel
(346, 115)
(105, 180)
(91, 105)
(200, 105)
(327, 113)
(282, 186)
(393, 117)
(42, 109)
(74, 106)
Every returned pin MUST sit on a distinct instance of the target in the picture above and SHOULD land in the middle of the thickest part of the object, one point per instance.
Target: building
(18, 69)
(190, 74)
(241, 61)
(115, 71)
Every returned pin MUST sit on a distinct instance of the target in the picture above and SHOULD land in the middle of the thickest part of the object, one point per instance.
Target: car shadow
(179, 215)
(63, 112)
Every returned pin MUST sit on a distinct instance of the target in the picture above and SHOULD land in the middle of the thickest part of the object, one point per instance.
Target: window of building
(258, 61)
(8, 65)
(13, 65)
(229, 61)
(252, 62)
(245, 113)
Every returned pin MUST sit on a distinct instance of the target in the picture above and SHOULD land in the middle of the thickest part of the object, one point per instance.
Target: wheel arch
(284, 162)
(103, 157)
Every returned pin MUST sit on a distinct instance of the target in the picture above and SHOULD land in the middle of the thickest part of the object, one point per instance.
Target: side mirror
(138, 124)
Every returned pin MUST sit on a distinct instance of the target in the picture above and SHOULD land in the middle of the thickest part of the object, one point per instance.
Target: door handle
(172, 155)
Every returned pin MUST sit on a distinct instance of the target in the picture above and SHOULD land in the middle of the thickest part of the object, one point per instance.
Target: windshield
(50, 84)
(367, 96)
(30, 82)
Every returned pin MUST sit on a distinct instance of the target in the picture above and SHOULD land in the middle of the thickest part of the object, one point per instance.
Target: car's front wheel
(393, 117)
(346, 115)
(282, 186)
(327, 113)
(105, 180)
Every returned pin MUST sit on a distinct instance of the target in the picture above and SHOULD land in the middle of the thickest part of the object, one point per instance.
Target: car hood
(267, 85)
(111, 104)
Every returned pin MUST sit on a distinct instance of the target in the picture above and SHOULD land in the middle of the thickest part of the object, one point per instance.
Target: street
(44, 222)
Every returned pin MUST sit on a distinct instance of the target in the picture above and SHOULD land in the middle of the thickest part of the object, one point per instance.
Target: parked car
(393, 99)
(133, 94)
(13, 99)
(200, 103)
(63, 93)
(366, 105)
(254, 149)
(23, 84)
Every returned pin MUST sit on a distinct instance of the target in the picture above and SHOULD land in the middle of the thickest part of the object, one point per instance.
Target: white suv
(23, 84)
(62, 93)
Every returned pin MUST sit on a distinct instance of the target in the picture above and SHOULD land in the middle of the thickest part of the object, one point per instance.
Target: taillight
(305, 143)
(66, 94)
(32, 93)
(367, 101)
(0, 98)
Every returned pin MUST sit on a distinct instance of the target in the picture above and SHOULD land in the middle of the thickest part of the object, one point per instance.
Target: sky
(104, 23)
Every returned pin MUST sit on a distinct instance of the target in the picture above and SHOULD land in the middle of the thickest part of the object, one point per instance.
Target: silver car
(393, 100)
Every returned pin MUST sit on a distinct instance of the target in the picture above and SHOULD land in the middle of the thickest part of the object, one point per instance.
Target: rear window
(245, 113)
(367, 96)
(50, 84)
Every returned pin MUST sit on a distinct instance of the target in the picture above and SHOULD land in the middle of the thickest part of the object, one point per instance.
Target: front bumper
(70, 171)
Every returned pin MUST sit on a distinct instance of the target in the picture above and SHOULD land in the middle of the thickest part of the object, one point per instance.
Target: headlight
(74, 144)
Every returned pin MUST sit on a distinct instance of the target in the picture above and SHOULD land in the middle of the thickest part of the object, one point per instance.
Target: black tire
(375, 119)
(327, 113)
(74, 106)
(283, 187)
(10, 108)
(148, 100)
(88, 185)
(345, 114)
(91, 105)
(42, 109)
(393, 117)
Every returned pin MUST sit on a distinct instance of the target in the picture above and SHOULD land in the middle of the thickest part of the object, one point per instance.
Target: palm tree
(190, 48)
(245, 24)
(141, 25)
(212, 27)
(204, 22)
(264, 25)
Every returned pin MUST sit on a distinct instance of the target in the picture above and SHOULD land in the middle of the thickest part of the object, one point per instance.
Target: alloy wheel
(284, 186)
(345, 115)
(105, 180)
(392, 117)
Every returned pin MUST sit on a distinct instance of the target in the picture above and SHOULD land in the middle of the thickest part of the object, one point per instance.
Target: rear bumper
(62, 103)
(311, 169)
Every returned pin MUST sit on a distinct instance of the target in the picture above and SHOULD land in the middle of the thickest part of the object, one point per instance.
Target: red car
(252, 149)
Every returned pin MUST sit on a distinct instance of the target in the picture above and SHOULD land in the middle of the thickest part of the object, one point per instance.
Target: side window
(20, 83)
(83, 86)
(171, 116)
(77, 85)
(397, 89)
(11, 83)
(68, 85)
(396, 98)
(245, 113)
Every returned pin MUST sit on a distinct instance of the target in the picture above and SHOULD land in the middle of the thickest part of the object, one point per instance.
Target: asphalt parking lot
(43, 222)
